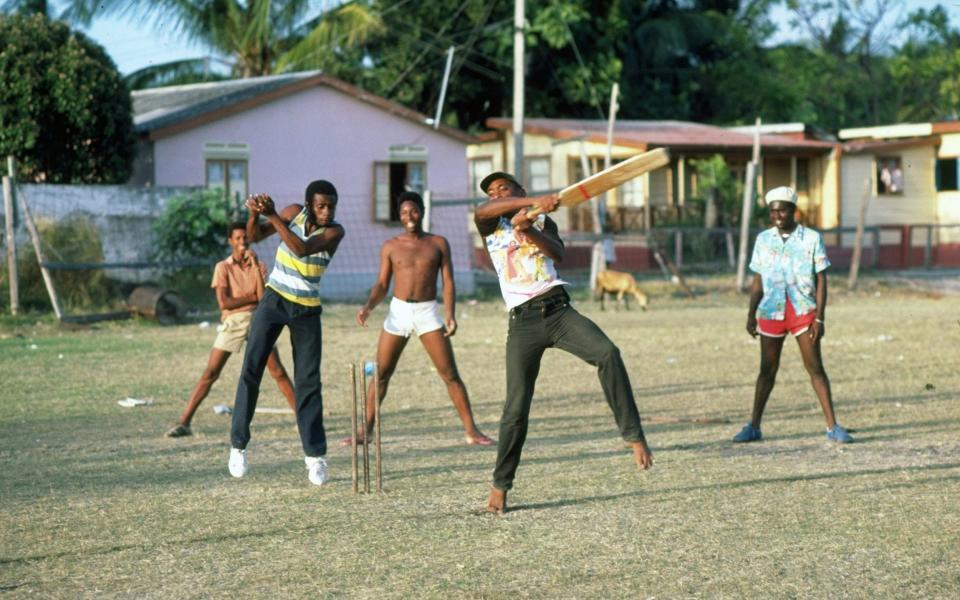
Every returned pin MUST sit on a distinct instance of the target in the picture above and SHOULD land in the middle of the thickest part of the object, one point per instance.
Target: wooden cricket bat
(608, 179)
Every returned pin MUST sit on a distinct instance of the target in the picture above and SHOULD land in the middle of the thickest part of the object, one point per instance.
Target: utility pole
(598, 260)
(748, 193)
(518, 83)
(443, 88)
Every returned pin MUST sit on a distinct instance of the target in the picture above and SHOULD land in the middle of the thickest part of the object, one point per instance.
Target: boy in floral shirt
(789, 294)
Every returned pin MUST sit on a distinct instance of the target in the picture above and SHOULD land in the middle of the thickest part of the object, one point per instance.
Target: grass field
(95, 503)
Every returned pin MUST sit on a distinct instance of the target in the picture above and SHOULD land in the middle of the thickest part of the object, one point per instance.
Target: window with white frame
(225, 168)
(479, 168)
(631, 193)
(536, 175)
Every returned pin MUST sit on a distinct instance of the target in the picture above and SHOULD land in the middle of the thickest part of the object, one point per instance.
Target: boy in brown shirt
(238, 284)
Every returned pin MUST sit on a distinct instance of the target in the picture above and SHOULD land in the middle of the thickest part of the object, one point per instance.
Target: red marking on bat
(583, 191)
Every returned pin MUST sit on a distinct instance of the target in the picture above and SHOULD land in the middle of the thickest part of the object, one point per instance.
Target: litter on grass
(134, 402)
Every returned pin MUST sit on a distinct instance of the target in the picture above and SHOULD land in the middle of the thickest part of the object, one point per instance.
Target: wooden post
(9, 215)
(745, 217)
(748, 192)
(876, 246)
(858, 238)
(678, 248)
(35, 238)
(731, 255)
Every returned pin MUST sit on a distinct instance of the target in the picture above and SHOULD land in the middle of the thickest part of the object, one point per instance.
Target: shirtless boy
(412, 260)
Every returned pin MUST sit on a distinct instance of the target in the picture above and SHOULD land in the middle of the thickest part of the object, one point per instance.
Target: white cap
(781, 194)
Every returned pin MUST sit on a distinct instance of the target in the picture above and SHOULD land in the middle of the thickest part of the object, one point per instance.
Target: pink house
(275, 134)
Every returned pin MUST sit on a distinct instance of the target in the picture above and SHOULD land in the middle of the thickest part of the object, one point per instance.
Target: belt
(414, 301)
(545, 302)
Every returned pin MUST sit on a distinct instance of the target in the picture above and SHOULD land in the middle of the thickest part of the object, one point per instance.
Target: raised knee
(609, 353)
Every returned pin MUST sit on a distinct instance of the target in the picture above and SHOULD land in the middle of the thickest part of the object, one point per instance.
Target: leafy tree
(665, 54)
(193, 225)
(926, 69)
(64, 110)
(259, 36)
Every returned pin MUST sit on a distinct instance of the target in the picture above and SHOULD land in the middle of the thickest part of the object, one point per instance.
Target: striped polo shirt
(297, 278)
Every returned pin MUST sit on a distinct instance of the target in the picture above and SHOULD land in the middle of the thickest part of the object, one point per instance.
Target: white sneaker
(238, 462)
(316, 469)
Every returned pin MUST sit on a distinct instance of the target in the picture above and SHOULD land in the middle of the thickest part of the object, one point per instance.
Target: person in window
(789, 295)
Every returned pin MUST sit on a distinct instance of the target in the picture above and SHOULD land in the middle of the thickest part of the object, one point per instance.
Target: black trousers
(550, 322)
(270, 317)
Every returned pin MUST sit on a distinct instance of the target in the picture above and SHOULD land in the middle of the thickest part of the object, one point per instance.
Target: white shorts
(412, 317)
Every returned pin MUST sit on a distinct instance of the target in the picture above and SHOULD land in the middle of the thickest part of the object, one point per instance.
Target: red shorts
(791, 322)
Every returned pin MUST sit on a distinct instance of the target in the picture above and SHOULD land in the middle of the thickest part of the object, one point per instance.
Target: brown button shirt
(240, 278)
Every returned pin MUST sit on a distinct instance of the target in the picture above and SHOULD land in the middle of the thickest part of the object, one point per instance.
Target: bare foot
(478, 439)
(347, 441)
(642, 455)
(497, 502)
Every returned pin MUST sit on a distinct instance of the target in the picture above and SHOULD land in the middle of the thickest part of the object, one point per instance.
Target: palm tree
(258, 37)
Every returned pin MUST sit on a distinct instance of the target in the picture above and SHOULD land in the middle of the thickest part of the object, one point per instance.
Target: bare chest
(417, 255)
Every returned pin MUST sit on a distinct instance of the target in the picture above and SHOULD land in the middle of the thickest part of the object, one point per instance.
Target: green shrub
(194, 226)
(74, 240)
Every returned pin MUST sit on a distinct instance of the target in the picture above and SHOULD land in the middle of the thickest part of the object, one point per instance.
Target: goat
(610, 282)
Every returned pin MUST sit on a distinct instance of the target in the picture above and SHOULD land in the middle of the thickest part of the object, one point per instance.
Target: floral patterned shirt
(525, 272)
(788, 269)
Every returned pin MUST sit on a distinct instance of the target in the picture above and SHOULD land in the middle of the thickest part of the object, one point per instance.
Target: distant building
(552, 149)
(911, 171)
(275, 134)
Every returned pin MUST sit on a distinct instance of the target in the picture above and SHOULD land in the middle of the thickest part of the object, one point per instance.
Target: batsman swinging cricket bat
(608, 179)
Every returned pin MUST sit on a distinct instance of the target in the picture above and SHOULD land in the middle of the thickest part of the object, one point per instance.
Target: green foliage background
(193, 225)
(73, 240)
(64, 110)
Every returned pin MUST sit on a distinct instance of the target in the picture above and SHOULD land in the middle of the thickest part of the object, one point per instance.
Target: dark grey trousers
(270, 317)
(553, 323)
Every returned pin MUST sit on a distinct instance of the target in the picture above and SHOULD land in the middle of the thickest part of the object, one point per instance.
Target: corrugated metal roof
(668, 134)
(180, 107)
(157, 107)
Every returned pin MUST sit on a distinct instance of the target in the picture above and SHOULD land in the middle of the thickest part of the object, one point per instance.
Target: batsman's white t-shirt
(525, 272)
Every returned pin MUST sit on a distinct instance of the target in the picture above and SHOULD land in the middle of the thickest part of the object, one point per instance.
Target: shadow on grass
(750, 483)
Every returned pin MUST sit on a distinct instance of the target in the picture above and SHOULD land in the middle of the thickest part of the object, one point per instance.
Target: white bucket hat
(781, 194)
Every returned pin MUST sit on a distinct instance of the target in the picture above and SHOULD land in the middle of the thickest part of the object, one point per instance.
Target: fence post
(47, 278)
(10, 242)
(745, 225)
(11, 236)
(731, 258)
(858, 238)
(678, 248)
(906, 245)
